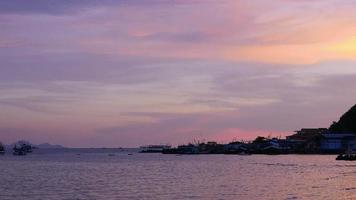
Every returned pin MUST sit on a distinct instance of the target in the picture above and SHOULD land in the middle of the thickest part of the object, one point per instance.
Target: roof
(338, 135)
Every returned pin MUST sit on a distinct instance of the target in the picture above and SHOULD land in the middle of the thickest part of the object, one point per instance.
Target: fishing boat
(2, 148)
(346, 156)
(244, 153)
(154, 148)
(349, 155)
(22, 148)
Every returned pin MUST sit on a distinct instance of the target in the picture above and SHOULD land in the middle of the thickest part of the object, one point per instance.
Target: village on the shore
(337, 139)
(304, 141)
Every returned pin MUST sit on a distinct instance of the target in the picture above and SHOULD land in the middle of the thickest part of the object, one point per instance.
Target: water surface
(107, 174)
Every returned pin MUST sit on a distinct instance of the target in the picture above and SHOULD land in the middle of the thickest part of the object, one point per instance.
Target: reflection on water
(98, 175)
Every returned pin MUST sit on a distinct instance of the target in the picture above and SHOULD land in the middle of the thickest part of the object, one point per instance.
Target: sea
(108, 174)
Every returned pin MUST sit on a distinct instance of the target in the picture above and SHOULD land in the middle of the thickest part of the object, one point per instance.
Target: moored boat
(2, 148)
(347, 156)
(244, 153)
(22, 148)
(154, 148)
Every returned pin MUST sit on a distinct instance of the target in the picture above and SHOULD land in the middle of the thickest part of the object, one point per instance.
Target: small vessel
(154, 148)
(21, 148)
(2, 148)
(349, 155)
(346, 156)
(19, 151)
(244, 153)
(183, 149)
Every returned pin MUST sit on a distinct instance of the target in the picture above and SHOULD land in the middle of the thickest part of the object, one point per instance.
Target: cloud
(315, 105)
(43, 7)
(295, 33)
(65, 7)
(151, 71)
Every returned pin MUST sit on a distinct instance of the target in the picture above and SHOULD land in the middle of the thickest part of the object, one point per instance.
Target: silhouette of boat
(349, 155)
(2, 148)
(21, 148)
(19, 151)
(244, 153)
(346, 156)
(154, 148)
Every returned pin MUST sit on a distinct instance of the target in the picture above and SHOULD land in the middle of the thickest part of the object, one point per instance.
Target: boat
(183, 149)
(18, 150)
(154, 148)
(346, 156)
(2, 148)
(349, 155)
(244, 153)
(21, 148)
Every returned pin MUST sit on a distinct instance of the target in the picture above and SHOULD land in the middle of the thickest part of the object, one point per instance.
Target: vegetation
(347, 122)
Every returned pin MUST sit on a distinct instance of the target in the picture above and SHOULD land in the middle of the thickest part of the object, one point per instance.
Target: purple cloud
(126, 73)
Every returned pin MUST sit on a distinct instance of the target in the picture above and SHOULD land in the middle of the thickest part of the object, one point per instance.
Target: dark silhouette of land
(347, 122)
(339, 138)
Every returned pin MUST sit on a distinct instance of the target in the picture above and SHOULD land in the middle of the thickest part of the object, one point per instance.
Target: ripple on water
(148, 176)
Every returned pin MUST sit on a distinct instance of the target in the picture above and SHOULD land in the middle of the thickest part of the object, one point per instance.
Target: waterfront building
(236, 148)
(276, 146)
(306, 134)
(210, 148)
(188, 149)
(337, 142)
(154, 148)
(306, 140)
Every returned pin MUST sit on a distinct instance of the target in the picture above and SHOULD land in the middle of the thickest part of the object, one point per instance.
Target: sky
(127, 73)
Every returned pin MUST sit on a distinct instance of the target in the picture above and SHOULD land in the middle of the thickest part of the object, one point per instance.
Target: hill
(49, 146)
(347, 122)
(40, 146)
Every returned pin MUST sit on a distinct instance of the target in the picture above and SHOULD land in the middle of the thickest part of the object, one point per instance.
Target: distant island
(23, 147)
(38, 146)
(49, 146)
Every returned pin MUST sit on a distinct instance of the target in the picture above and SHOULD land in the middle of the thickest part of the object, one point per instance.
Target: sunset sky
(134, 72)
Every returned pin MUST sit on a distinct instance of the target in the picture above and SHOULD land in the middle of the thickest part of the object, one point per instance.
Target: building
(337, 142)
(236, 148)
(306, 140)
(306, 134)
